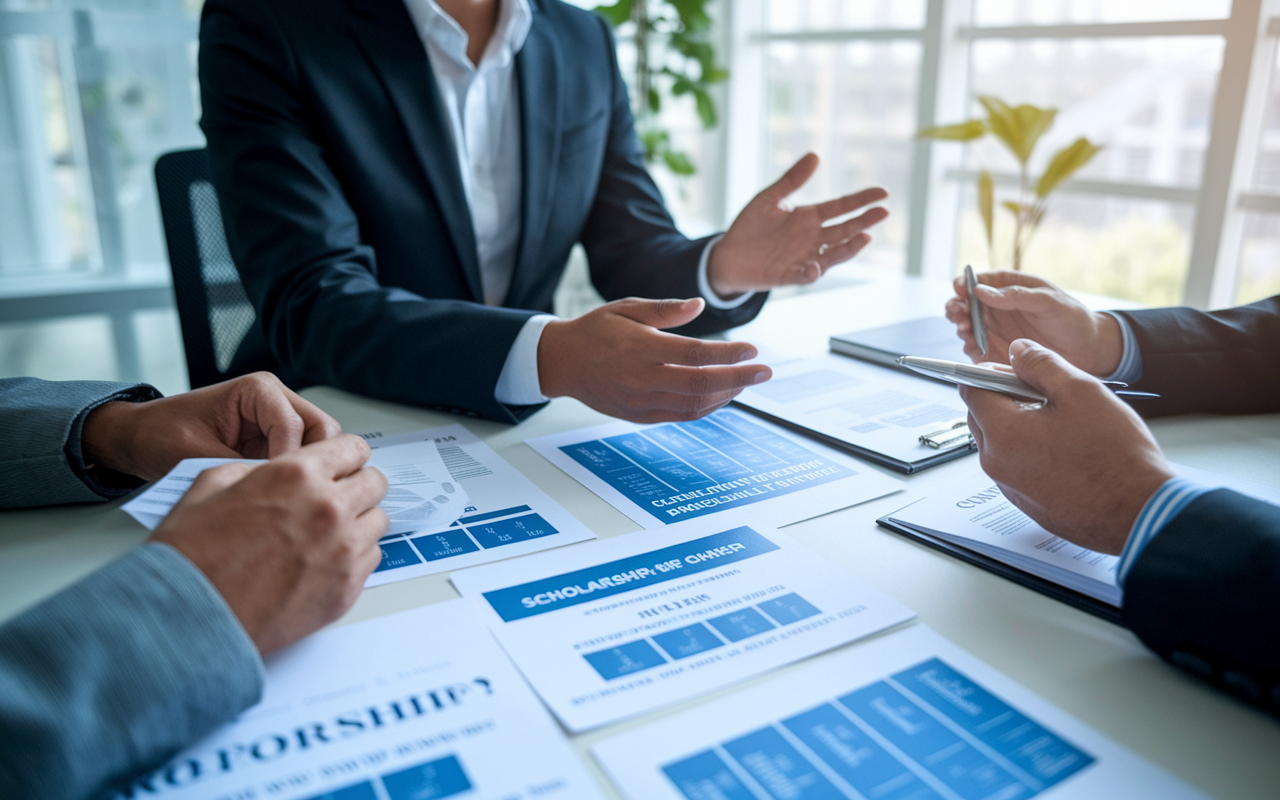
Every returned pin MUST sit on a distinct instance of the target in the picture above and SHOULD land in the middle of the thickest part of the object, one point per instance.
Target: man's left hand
(1082, 465)
(771, 245)
(255, 416)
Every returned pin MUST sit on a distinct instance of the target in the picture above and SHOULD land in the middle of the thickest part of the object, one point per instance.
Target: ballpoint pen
(975, 309)
(993, 379)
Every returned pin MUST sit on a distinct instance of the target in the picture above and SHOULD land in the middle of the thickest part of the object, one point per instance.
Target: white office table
(1096, 670)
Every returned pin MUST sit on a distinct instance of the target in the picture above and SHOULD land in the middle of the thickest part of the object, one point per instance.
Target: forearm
(1221, 362)
(117, 673)
(1205, 594)
(41, 422)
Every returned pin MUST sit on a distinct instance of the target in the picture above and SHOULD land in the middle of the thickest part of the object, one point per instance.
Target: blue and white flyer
(660, 475)
(908, 716)
(420, 704)
(621, 626)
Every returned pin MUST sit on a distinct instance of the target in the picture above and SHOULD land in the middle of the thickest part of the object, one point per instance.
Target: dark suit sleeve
(40, 457)
(1218, 362)
(632, 244)
(116, 674)
(297, 244)
(1205, 594)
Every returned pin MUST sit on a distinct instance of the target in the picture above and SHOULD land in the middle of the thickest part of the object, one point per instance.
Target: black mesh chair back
(215, 314)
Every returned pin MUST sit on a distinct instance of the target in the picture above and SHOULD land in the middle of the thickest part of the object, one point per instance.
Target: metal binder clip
(948, 437)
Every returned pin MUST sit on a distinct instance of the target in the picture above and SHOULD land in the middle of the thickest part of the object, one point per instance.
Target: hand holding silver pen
(1015, 305)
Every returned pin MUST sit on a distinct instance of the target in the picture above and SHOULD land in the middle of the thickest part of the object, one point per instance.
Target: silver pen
(993, 379)
(975, 309)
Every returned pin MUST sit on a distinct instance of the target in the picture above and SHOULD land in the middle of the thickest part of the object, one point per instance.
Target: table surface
(1095, 670)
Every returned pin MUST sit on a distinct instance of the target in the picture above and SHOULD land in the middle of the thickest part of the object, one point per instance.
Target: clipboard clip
(947, 438)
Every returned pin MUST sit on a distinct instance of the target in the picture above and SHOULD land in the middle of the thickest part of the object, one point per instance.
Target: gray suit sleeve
(116, 674)
(40, 424)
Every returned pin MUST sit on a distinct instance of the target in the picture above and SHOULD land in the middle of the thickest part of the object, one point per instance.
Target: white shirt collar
(515, 17)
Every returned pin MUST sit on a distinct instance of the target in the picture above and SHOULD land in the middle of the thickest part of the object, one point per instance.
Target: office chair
(215, 314)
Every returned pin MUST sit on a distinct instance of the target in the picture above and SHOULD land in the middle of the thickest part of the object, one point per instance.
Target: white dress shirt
(482, 103)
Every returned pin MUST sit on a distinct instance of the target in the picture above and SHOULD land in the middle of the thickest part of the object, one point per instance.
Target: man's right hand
(1021, 306)
(617, 360)
(289, 543)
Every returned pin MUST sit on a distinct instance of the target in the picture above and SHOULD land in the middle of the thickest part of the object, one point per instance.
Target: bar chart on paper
(663, 474)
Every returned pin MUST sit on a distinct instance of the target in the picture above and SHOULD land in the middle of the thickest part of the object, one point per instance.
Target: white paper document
(974, 513)
(506, 515)
(421, 495)
(625, 625)
(879, 409)
(413, 706)
(660, 475)
(907, 716)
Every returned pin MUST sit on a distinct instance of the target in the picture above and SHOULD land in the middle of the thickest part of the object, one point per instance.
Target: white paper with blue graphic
(416, 705)
(421, 495)
(908, 716)
(625, 625)
(660, 475)
(506, 515)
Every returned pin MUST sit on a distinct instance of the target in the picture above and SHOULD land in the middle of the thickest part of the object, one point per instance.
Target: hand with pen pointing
(1021, 306)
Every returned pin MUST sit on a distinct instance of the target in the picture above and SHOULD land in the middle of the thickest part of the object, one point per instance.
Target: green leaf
(617, 13)
(1067, 161)
(1019, 128)
(964, 132)
(986, 198)
(706, 108)
(1016, 208)
(679, 163)
(655, 100)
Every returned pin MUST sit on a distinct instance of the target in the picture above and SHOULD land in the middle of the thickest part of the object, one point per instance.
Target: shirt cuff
(1168, 501)
(1130, 369)
(518, 384)
(704, 283)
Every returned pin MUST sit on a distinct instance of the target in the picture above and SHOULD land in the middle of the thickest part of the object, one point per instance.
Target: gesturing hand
(1017, 306)
(1082, 465)
(255, 416)
(771, 245)
(617, 360)
(288, 544)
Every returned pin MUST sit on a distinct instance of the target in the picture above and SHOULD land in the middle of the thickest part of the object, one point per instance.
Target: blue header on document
(689, 469)
(624, 575)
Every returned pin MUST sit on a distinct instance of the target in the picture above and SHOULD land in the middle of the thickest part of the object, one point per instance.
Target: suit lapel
(538, 76)
(386, 33)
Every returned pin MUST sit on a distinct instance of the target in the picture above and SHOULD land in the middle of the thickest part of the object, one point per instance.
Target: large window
(1176, 207)
(91, 92)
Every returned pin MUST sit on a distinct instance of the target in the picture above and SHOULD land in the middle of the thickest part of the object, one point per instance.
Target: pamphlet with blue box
(507, 514)
(660, 475)
(621, 626)
(906, 716)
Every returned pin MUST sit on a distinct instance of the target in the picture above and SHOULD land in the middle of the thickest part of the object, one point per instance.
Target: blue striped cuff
(1130, 369)
(1168, 501)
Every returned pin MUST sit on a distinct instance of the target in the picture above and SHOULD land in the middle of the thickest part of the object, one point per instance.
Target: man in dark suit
(116, 673)
(402, 182)
(1200, 567)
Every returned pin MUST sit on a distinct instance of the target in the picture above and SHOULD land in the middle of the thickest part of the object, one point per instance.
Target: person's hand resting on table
(618, 360)
(288, 544)
(1017, 305)
(254, 416)
(1082, 465)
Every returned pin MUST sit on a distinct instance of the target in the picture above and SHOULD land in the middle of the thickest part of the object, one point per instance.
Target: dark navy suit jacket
(344, 205)
(1205, 593)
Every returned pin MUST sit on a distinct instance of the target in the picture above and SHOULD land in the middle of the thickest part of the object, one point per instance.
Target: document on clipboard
(881, 414)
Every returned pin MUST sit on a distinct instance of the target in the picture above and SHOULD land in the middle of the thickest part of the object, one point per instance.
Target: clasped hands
(1084, 463)
(289, 543)
(618, 360)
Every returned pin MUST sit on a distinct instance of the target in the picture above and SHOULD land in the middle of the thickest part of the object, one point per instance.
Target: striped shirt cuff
(1130, 369)
(1168, 501)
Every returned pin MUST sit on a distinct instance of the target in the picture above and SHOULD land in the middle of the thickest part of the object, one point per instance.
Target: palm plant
(672, 55)
(1018, 129)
